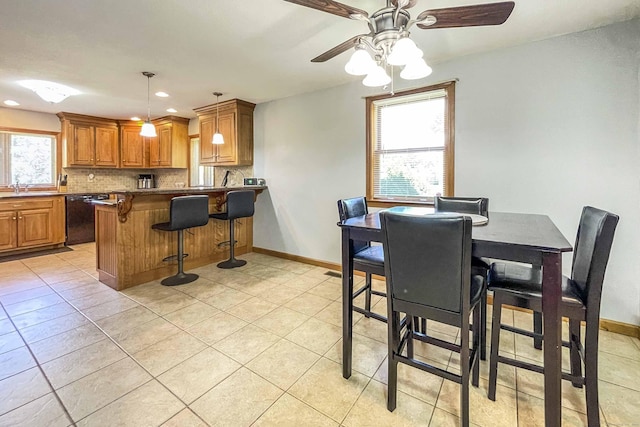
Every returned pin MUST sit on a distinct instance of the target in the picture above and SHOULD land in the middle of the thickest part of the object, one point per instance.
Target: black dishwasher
(81, 218)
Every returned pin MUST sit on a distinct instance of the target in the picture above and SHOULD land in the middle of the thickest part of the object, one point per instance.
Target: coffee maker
(147, 180)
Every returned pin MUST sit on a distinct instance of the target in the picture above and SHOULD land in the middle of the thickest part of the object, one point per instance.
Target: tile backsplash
(78, 180)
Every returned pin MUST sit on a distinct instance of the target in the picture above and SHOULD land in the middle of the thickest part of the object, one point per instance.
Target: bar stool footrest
(173, 257)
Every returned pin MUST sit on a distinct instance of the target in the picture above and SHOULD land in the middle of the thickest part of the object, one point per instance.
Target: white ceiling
(257, 50)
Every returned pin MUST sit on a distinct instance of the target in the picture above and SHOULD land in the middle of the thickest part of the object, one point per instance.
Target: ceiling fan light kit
(388, 43)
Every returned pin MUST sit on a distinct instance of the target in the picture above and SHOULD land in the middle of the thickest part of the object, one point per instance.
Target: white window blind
(409, 138)
(200, 175)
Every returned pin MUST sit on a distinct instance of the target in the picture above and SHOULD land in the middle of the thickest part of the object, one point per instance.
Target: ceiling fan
(389, 25)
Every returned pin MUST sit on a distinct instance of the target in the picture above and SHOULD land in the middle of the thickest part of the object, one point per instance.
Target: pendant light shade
(218, 139)
(148, 129)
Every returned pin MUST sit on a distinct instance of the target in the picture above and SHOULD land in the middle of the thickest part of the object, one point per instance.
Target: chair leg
(392, 378)
(576, 363)
(232, 262)
(495, 343)
(477, 338)
(423, 326)
(367, 295)
(411, 323)
(464, 371)
(591, 375)
(180, 278)
(483, 326)
(537, 328)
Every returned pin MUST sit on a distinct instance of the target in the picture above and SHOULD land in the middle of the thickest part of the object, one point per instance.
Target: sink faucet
(16, 187)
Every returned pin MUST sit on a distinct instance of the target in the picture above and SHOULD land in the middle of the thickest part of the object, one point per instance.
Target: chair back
(188, 211)
(471, 205)
(428, 260)
(591, 254)
(240, 204)
(350, 208)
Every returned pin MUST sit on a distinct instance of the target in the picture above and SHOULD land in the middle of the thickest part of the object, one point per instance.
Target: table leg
(551, 294)
(347, 302)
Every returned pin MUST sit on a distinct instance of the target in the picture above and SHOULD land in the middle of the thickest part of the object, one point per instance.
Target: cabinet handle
(19, 217)
(14, 218)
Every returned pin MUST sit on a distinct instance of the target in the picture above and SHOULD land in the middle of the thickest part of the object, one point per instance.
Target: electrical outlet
(90, 177)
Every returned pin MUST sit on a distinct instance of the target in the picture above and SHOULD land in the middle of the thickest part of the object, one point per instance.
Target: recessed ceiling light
(162, 94)
(11, 102)
(49, 91)
(171, 110)
(136, 118)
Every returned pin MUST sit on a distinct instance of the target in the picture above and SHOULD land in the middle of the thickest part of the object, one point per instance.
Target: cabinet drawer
(22, 204)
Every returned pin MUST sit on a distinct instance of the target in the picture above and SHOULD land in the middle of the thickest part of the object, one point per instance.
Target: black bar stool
(184, 212)
(239, 205)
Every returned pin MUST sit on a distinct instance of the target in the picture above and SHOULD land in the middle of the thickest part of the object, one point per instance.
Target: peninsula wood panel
(131, 252)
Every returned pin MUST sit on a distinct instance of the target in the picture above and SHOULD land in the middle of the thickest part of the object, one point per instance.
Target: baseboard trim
(605, 324)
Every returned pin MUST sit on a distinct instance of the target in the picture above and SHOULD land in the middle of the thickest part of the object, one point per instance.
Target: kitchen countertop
(141, 191)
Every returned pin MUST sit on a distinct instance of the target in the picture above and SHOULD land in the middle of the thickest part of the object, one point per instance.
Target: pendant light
(218, 139)
(148, 129)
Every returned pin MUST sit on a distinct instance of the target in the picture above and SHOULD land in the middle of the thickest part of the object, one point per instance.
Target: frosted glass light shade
(377, 77)
(360, 63)
(148, 129)
(403, 52)
(415, 70)
(218, 139)
(49, 91)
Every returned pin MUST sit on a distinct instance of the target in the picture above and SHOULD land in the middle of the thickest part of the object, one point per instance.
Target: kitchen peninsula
(129, 252)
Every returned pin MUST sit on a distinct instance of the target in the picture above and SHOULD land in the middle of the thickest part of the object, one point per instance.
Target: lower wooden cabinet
(31, 222)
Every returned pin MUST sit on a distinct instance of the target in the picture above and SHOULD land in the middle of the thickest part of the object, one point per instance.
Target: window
(410, 145)
(28, 158)
(200, 175)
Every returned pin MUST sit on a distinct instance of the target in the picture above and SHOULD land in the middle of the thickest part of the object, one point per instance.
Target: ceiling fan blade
(468, 16)
(342, 47)
(330, 6)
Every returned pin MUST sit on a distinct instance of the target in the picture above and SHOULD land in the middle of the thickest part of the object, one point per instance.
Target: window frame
(58, 156)
(449, 145)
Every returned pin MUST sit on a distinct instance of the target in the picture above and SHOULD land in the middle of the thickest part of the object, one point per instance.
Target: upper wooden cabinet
(235, 125)
(88, 141)
(170, 149)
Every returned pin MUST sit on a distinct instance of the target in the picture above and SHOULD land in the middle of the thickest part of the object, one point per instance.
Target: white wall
(32, 120)
(546, 128)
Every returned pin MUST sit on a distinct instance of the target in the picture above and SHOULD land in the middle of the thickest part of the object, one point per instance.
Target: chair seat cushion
(164, 226)
(220, 215)
(477, 288)
(372, 255)
(526, 281)
(480, 263)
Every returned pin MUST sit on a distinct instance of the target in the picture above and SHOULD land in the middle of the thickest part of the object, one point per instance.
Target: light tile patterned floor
(260, 345)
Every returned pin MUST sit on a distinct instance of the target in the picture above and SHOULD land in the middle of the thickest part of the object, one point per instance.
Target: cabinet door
(227, 152)
(131, 148)
(160, 147)
(8, 230)
(106, 146)
(207, 149)
(35, 227)
(81, 152)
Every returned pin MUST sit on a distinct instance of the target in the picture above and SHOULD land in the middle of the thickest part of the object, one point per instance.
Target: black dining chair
(240, 204)
(184, 212)
(367, 258)
(521, 286)
(428, 274)
(478, 206)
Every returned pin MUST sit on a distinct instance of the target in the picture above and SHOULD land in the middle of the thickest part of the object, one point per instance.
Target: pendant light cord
(148, 99)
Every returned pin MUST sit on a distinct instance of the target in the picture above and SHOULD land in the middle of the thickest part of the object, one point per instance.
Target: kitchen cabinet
(89, 141)
(236, 126)
(169, 149)
(132, 146)
(30, 222)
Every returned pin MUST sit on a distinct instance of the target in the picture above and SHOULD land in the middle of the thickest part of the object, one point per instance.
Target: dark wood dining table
(527, 238)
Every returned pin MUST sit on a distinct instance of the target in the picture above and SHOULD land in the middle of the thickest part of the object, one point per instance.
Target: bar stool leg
(180, 278)
(232, 262)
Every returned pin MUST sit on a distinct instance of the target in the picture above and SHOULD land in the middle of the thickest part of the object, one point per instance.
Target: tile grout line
(53, 390)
